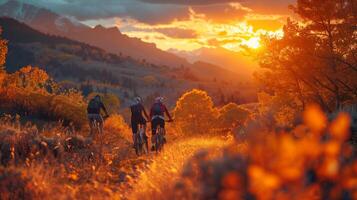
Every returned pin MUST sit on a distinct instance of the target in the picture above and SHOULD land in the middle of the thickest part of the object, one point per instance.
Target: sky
(182, 24)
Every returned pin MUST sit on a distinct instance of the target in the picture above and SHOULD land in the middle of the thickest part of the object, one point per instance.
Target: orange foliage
(3, 51)
(28, 92)
(231, 116)
(316, 165)
(116, 124)
(195, 113)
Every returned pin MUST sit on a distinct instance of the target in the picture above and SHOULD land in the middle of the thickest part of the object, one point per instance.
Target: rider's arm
(104, 109)
(146, 114)
(167, 113)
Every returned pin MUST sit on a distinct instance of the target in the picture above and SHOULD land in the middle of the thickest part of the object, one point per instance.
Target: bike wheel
(144, 149)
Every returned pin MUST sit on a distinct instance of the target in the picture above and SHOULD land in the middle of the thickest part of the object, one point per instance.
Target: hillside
(110, 39)
(80, 64)
(236, 62)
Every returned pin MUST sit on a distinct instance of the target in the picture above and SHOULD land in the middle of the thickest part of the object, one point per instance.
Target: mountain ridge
(112, 41)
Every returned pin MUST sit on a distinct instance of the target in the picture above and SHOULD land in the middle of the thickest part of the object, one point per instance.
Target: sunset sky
(182, 24)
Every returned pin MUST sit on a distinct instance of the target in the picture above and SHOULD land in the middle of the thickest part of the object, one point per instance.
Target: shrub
(25, 92)
(312, 162)
(195, 113)
(3, 51)
(15, 184)
(279, 110)
(232, 116)
(116, 124)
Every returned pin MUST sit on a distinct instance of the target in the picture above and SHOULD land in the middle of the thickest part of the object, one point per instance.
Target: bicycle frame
(159, 142)
(140, 141)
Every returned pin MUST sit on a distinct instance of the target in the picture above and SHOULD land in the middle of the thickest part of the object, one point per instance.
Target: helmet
(159, 99)
(98, 98)
(138, 99)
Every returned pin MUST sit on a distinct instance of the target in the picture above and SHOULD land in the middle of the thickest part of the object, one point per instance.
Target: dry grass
(160, 176)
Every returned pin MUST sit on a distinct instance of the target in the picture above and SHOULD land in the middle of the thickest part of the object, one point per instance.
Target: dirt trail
(148, 177)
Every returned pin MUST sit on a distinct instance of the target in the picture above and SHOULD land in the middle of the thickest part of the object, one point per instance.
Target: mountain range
(110, 39)
(230, 60)
(113, 41)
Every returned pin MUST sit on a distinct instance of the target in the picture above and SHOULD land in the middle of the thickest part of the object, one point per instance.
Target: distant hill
(229, 60)
(110, 39)
(79, 64)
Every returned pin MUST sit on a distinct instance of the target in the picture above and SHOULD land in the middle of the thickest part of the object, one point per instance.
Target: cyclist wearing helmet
(95, 105)
(137, 110)
(157, 116)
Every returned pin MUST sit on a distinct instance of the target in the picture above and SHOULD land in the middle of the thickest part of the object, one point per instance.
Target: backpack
(157, 109)
(136, 109)
(93, 106)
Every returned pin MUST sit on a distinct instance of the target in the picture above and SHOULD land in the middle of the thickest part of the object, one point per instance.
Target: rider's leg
(134, 128)
(100, 124)
(162, 125)
(154, 124)
(91, 126)
(145, 137)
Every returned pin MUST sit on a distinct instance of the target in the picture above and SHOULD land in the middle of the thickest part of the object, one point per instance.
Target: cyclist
(95, 105)
(137, 110)
(157, 115)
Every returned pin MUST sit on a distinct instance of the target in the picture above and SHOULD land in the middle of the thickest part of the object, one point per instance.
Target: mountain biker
(137, 110)
(95, 105)
(157, 116)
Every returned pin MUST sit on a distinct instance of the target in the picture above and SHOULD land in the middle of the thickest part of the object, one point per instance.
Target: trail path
(149, 176)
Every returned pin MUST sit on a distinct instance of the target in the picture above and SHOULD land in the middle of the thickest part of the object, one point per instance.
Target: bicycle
(141, 142)
(160, 139)
(97, 129)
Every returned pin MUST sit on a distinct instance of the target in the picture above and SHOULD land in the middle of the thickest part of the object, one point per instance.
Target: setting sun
(253, 43)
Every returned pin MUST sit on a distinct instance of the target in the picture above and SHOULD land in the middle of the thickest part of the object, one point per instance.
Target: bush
(3, 51)
(312, 162)
(195, 113)
(15, 184)
(116, 124)
(231, 116)
(26, 92)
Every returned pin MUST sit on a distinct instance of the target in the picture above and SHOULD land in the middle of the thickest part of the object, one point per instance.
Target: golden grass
(161, 175)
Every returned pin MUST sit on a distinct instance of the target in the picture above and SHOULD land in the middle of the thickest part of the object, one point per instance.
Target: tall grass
(159, 179)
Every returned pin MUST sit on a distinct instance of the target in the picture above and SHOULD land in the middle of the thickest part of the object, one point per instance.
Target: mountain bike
(97, 132)
(141, 142)
(160, 139)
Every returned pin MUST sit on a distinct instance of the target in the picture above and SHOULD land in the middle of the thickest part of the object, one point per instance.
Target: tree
(315, 61)
(232, 116)
(3, 52)
(195, 113)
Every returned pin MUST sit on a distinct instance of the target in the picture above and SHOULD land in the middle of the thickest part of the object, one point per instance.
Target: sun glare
(253, 43)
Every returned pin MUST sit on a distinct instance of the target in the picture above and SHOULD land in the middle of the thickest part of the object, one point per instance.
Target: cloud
(160, 11)
(181, 24)
(266, 24)
(177, 33)
(221, 13)
(219, 42)
(190, 2)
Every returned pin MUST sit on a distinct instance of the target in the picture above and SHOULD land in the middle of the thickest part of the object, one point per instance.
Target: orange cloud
(204, 27)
